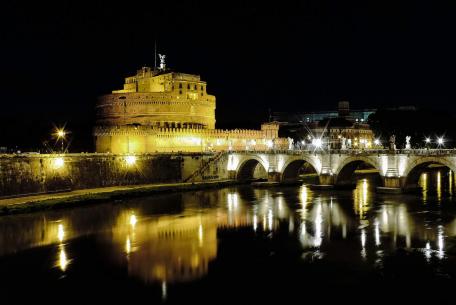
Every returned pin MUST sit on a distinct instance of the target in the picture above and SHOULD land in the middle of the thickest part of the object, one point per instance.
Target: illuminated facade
(163, 111)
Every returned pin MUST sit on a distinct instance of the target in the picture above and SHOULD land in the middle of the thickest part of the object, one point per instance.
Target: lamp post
(427, 141)
(61, 133)
(440, 141)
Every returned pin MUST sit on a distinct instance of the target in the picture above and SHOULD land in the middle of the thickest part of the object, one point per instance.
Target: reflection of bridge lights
(200, 234)
(363, 238)
(363, 244)
(450, 182)
(270, 219)
(440, 241)
(439, 187)
(232, 199)
(133, 220)
(318, 226)
(63, 261)
(60, 232)
(428, 251)
(290, 224)
(128, 245)
(164, 291)
(377, 233)
(255, 223)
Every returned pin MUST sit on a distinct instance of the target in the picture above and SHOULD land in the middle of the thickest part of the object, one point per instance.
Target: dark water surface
(239, 245)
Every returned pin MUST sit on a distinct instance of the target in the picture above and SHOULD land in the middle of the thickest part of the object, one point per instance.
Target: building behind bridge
(159, 110)
(334, 127)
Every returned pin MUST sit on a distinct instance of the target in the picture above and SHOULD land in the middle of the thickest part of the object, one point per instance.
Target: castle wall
(47, 173)
(146, 139)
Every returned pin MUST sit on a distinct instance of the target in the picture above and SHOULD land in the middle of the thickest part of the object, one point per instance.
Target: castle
(159, 110)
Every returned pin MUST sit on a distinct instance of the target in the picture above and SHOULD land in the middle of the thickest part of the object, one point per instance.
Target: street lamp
(440, 141)
(317, 143)
(60, 134)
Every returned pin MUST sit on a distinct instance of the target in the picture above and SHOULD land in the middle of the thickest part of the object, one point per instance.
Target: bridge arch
(414, 169)
(346, 169)
(291, 168)
(247, 167)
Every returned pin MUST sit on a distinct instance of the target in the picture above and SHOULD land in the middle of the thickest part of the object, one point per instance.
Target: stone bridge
(399, 169)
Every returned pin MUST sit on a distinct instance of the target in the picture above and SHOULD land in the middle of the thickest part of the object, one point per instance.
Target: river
(238, 245)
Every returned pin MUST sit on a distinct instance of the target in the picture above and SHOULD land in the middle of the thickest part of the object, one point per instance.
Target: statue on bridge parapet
(392, 141)
(407, 142)
(343, 141)
(290, 143)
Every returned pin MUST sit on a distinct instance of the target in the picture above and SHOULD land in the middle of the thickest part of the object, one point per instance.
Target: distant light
(58, 163)
(60, 232)
(130, 160)
(427, 140)
(440, 141)
(63, 260)
(317, 143)
(377, 142)
(133, 220)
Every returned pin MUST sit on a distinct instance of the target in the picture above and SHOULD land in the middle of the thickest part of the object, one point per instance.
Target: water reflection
(362, 198)
(174, 238)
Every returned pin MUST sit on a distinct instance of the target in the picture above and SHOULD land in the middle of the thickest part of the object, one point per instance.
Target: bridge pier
(392, 182)
(232, 174)
(326, 179)
(274, 176)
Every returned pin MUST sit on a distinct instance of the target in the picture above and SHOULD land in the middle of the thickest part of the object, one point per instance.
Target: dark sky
(289, 56)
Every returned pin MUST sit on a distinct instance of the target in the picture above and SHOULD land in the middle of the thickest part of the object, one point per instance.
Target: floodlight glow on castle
(159, 110)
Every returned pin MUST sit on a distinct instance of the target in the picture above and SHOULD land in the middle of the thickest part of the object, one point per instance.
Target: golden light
(58, 163)
(60, 133)
(130, 160)
(63, 260)
(60, 233)
(133, 220)
(128, 246)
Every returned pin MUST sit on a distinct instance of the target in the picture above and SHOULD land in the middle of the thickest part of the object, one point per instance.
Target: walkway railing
(205, 166)
(423, 151)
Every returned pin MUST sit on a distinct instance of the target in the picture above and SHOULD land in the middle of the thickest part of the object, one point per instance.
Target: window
(180, 85)
(188, 86)
(180, 91)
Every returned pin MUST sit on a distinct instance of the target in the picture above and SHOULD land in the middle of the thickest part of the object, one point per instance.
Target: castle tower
(159, 98)
(159, 110)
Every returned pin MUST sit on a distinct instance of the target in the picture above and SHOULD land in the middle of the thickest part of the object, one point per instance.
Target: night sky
(295, 56)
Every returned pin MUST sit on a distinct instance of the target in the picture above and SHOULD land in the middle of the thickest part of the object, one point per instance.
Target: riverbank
(40, 202)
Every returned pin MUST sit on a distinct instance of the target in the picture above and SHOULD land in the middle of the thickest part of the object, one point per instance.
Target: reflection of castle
(160, 110)
(169, 249)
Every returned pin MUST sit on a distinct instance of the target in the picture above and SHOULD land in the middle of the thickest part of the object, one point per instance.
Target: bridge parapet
(336, 166)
